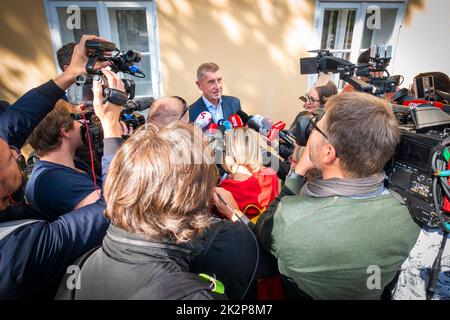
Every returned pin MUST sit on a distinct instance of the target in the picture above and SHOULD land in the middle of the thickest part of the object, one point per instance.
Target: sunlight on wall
(19, 76)
(257, 43)
(231, 27)
(267, 11)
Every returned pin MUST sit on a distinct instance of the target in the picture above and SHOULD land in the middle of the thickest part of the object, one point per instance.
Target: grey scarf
(354, 187)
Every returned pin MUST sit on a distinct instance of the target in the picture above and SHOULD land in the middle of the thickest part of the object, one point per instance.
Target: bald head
(5, 155)
(10, 175)
(165, 111)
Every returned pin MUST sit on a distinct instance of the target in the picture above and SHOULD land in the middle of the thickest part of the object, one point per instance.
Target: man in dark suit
(210, 82)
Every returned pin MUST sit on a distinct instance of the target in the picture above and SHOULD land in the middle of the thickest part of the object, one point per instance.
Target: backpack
(180, 286)
(174, 286)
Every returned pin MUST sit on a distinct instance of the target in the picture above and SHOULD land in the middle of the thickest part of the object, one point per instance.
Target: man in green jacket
(345, 236)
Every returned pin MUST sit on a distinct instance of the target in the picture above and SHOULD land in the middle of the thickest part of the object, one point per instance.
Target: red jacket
(256, 192)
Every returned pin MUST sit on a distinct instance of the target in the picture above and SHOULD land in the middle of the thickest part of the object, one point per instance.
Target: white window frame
(104, 29)
(358, 31)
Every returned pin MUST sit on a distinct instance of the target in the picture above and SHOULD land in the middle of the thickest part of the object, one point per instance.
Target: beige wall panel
(257, 43)
(25, 47)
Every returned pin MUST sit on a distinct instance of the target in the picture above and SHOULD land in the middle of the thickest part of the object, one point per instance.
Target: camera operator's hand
(108, 113)
(220, 194)
(78, 63)
(126, 131)
(304, 164)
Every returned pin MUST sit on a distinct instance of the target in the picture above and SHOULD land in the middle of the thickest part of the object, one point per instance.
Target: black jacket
(230, 105)
(127, 262)
(34, 256)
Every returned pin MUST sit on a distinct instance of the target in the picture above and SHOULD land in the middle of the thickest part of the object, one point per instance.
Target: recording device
(414, 170)
(378, 80)
(423, 88)
(92, 130)
(303, 127)
(121, 61)
(267, 128)
(203, 120)
(411, 173)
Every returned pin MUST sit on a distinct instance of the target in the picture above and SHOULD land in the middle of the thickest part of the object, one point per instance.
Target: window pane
(383, 35)
(88, 24)
(338, 29)
(129, 29)
(143, 86)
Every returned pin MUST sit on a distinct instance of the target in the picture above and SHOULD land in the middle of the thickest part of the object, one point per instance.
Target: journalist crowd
(199, 201)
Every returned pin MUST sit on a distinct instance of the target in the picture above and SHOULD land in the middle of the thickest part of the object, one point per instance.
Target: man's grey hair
(206, 67)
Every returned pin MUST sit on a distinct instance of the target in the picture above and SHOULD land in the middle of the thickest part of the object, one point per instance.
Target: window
(130, 25)
(349, 28)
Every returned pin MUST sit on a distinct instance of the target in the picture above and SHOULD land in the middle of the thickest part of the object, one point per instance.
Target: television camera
(122, 61)
(374, 76)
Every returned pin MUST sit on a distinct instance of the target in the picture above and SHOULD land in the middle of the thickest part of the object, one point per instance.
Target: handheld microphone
(240, 119)
(227, 124)
(243, 116)
(211, 128)
(236, 121)
(203, 120)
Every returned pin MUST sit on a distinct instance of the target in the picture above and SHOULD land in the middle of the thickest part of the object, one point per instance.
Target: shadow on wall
(257, 44)
(25, 48)
(414, 5)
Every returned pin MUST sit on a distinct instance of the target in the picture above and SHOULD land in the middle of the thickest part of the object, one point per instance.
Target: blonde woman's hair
(156, 189)
(242, 149)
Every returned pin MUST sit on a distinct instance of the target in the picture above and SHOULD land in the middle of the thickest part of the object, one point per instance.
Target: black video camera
(92, 131)
(378, 82)
(121, 62)
(375, 72)
(423, 151)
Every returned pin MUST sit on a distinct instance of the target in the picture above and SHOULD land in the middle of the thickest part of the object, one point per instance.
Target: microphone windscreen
(227, 124)
(244, 116)
(280, 125)
(236, 121)
(255, 122)
(203, 119)
(267, 123)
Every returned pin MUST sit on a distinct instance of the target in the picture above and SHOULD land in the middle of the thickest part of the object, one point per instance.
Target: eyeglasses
(311, 99)
(17, 157)
(313, 123)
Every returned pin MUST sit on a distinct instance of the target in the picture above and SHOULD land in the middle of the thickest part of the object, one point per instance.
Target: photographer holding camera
(59, 182)
(329, 235)
(34, 254)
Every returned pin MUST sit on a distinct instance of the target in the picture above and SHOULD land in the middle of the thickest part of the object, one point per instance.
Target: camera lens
(133, 56)
(80, 79)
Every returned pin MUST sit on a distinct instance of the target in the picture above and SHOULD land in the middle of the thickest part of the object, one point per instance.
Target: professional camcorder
(418, 170)
(122, 61)
(375, 76)
(92, 131)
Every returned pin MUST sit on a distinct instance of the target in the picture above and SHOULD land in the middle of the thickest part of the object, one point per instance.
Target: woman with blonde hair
(252, 185)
